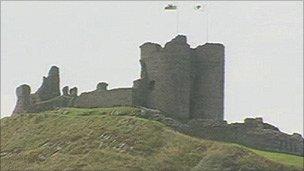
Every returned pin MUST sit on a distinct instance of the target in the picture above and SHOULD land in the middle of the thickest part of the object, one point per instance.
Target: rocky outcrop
(50, 85)
(23, 104)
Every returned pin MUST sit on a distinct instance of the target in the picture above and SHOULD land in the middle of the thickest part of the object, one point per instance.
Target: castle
(187, 84)
(178, 80)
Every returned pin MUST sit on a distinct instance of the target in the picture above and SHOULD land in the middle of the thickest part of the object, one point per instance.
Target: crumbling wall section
(57, 102)
(50, 85)
(252, 133)
(168, 74)
(106, 98)
(140, 92)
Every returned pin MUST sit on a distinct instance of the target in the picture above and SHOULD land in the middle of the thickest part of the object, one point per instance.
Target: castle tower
(207, 95)
(167, 75)
(179, 80)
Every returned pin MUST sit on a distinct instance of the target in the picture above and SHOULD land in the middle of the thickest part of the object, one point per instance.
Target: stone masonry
(23, 99)
(184, 83)
(50, 85)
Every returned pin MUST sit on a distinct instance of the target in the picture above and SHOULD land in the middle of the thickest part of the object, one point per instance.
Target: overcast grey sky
(99, 41)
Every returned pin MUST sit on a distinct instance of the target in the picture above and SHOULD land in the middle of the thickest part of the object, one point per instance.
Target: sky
(93, 42)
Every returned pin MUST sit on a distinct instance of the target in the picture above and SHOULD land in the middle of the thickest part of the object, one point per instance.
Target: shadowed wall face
(168, 76)
(208, 82)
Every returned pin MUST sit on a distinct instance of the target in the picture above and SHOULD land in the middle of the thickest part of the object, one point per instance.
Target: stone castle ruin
(185, 83)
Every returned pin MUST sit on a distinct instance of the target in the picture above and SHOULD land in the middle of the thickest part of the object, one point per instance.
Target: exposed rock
(50, 85)
(65, 91)
(23, 99)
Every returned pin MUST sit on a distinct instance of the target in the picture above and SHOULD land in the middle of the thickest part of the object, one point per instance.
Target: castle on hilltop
(176, 79)
(187, 84)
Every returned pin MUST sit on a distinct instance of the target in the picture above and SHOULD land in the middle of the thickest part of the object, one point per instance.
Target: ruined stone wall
(56, 102)
(45, 98)
(207, 96)
(150, 73)
(50, 85)
(184, 81)
(24, 101)
(140, 92)
(168, 74)
(106, 98)
(255, 134)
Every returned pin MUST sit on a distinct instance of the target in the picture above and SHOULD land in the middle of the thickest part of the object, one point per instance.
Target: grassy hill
(116, 139)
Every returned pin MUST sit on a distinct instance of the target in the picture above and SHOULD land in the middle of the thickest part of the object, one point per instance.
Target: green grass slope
(116, 139)
(286, 159)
